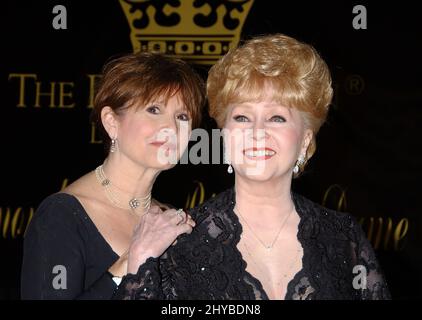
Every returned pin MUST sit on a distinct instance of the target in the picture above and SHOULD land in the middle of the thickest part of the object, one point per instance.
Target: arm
(151, 256)
(54, 257)
(146, 284)
(374, 281)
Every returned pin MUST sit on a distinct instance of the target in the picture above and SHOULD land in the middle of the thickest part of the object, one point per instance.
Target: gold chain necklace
(268, 247)
(133, 204)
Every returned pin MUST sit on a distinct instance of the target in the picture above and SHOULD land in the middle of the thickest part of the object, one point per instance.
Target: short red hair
(137, 79)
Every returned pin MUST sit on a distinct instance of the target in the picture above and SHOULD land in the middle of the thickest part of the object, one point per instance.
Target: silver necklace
(285, 274)
(268, 247)
(133, 204)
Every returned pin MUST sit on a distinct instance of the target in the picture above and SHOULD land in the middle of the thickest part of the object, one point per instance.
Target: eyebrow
(267, 105)
(183, 110)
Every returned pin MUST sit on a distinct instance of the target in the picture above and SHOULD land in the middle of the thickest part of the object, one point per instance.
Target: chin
(163, 166)
(258, 178)
(164, 162)
(259, 175)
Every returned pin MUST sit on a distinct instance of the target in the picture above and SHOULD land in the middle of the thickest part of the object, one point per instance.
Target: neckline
(82, 210)
(238, 232)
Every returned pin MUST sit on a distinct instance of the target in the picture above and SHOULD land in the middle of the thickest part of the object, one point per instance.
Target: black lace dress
(207, 265)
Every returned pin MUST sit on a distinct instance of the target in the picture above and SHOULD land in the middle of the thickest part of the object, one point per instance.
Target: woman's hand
(156, 231)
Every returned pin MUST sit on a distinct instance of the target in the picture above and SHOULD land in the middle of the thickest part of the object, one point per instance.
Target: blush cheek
(137, 133)
(288, 142)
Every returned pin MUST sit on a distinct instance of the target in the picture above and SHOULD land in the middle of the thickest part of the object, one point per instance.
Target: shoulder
(85, 186)
(60, 201)
(213, 206)
(73, 202)
(214, 218)
(59, 210)
(324, 222)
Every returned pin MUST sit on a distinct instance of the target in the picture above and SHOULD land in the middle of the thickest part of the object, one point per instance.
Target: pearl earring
(113, 145)
(230, 169)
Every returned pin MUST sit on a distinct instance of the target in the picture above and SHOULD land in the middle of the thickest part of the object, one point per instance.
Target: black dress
(62, 234)
(207, 265)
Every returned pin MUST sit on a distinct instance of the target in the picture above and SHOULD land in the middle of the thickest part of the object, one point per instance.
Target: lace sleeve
(369, 278)
(145, 285)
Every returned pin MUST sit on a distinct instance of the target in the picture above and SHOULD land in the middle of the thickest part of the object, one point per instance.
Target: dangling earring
(299, 163)
(230, 169)
(113, 145)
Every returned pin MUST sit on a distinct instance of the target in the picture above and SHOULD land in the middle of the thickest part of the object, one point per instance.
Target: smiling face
(298, 75)
(152, 136)
(264, 138)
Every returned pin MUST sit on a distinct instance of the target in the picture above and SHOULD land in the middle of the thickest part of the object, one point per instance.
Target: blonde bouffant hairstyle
(297, 74)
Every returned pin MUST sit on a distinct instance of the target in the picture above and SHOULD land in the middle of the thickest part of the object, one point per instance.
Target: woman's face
(154, 136)
(264, 139)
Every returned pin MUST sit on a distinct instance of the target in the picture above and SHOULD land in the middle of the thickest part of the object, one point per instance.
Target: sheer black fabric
(207, 265)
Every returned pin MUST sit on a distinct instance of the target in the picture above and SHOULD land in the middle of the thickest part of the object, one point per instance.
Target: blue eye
(183, 117)
(278, 119)
(153, 110)
(240, 118)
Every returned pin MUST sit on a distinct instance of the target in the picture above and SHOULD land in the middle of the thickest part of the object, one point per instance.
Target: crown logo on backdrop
(200, 31)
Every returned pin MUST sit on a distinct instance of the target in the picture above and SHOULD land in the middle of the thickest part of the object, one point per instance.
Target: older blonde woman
(259, 240)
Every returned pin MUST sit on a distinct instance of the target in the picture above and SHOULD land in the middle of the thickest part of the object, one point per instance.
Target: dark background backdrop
(369, 149)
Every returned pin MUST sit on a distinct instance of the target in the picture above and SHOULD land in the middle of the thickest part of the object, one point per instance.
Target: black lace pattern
(207, 265)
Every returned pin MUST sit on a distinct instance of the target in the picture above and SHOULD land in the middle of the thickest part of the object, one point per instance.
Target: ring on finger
(179, 212)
